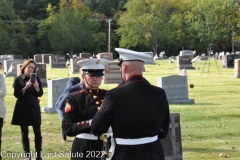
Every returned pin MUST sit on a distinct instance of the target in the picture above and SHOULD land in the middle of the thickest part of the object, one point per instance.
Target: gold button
(98, 108)
(97, 102)
(95, 97)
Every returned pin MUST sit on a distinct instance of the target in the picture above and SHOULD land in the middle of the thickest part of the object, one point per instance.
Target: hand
(36, 86)
(28, 84)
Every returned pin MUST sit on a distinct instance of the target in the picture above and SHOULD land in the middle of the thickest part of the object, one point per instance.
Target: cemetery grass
(209, 127)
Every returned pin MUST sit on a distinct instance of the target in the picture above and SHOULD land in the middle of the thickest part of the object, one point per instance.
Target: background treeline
(31, 27)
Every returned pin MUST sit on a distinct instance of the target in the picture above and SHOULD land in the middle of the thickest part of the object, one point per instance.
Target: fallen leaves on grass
(50, 123)
(224, 155)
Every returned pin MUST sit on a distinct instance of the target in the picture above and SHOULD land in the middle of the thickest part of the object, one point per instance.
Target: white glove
(90, 122)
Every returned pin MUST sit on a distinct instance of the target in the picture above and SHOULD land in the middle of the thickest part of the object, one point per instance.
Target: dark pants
(1, 125)
(38, 138)
(60, 113)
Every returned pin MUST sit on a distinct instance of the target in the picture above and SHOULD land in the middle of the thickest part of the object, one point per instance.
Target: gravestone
(57, 61)
(12, 70)
(228, 60)
(45, 58)
(12, 56)
(173, 142)
(37, 58)
(112, 73)
(55, 89)
(40, 71)
(187, 53)
(106, 55)
(176, 88)
(2, 59)
(85, 55)
(148, 60)
(184, 62)
(7, 64)
(74, 67)
(236, 68)
(203, 58)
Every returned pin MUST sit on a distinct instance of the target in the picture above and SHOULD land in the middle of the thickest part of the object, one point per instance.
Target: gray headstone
(106, 55)
(12, 70)
(184, 62)
(176, 88)
(45, 58)
(85, 55)
(57, 61)
(37, 58)
(55, 89)
(7, 64)
(2, 59)
(74, 66)
(228, 60)
(112, 73)
(172, 144)
(12, 56)
(204, 58)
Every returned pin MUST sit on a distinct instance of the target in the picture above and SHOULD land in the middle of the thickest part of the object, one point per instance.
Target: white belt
(89, 136)
(136, 141)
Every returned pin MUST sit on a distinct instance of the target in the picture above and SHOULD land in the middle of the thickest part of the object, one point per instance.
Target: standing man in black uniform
(81, 106)
(137, 111)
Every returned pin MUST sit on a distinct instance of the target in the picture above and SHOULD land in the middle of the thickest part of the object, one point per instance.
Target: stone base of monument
(181, 101)
(235, 76)
(48, 110)
(172, 144)
(183, 67)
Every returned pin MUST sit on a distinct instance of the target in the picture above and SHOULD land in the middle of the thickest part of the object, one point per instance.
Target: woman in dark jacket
(27, 109)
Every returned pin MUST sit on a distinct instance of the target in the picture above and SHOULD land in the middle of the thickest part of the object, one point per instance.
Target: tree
(145, 22)
(69, 31)
(205, 20)
(6, 12)
(71, 28)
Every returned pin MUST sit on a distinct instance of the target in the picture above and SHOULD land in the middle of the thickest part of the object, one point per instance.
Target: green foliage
(144, 22)
(70, 30)
(143, 25)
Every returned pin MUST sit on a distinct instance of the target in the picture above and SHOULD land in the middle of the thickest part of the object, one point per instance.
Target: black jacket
(27, 109)
(80, 107)
(136, 109)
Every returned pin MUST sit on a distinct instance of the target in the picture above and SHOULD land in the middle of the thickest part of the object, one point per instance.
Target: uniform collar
(90, 90)
(135, 78)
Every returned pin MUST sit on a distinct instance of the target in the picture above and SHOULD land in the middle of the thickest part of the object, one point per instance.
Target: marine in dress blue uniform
(80, 107)
(137, 111)
(73, 85)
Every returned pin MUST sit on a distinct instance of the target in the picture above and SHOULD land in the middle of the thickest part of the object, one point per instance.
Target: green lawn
(209, 127)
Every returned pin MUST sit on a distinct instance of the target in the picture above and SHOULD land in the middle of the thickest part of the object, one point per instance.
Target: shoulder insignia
(68, 107)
